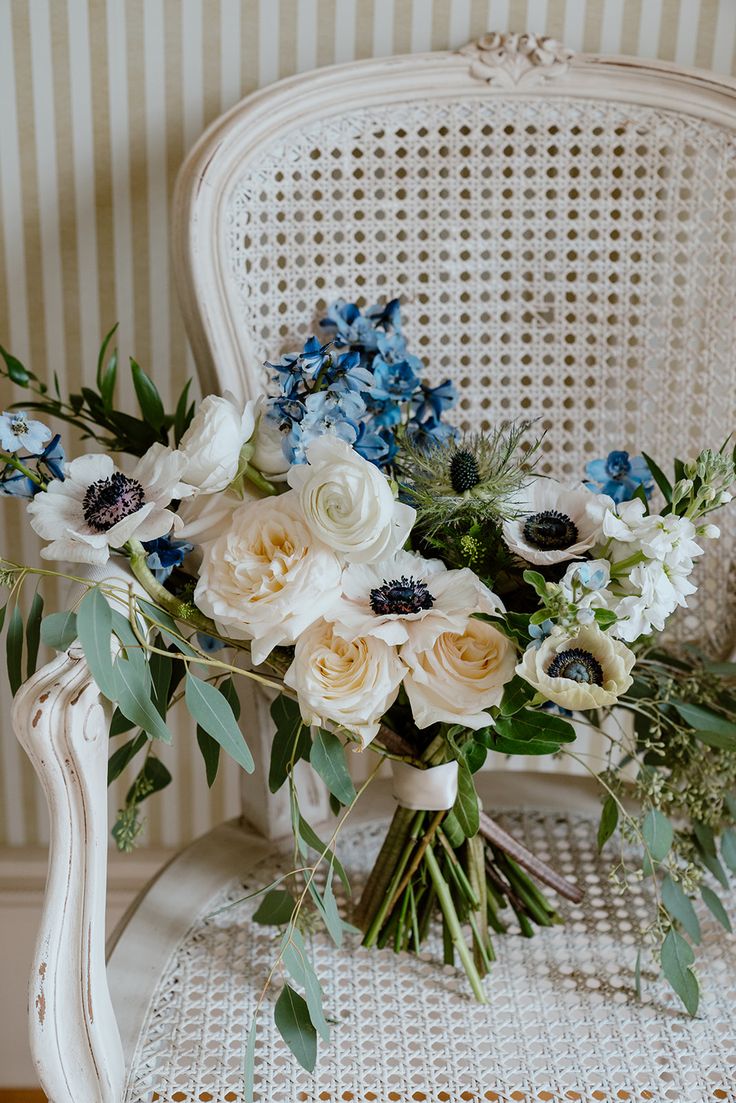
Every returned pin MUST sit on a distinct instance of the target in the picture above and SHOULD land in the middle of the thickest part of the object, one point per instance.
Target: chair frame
(58, 715)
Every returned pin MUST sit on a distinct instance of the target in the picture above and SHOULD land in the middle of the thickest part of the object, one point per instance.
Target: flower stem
(452, 922)
(259, 481)
(13, 461)
(179, 609)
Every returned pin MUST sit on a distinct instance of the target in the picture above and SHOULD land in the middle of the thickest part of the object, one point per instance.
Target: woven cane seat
(562, 1022)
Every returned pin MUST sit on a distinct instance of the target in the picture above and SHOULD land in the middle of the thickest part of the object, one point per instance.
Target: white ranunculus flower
(458, 675)
(588, 670)
(268, 454)
(266, 578)
(557, 522)
(97, 507)
(350, 683)
(213, 442)
(393, 597)
(348, 503)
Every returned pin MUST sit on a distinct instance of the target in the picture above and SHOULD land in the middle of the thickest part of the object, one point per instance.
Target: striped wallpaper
(99, 101)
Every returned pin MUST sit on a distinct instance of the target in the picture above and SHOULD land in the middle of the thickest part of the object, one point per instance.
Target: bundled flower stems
(423, 593)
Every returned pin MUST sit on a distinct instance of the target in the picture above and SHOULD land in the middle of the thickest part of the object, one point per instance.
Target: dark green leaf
(528, 724)
(705, 839)
(703, 720)
(716, 869)
(296, 961)
(182, 416)
(608, 821)
(604, 618)
(276, 908)
(475, 754)
(134, 652)
(677, 957)
(517, 693)
(16, 371)
(148, 397)
(33, 634)
(123, 755)
(680, 907)
(466, 807)
(728, 848)
(59, 630)
(213, 713)
(152, 777)
(166, 625)
(293, 1023)
(14, 650)
(133, 694)
(537, 581)
(160, 667)
(657, 834)
(730, 799)
(94, 628)
(290, 742)
(210, 750)
(659, 477)
(102, 354)
(715, 907)
(119, 724)
(308, 837)
(721, 740)
(327, 757)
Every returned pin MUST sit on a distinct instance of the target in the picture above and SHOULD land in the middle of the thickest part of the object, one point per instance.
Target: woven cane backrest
(562, 234)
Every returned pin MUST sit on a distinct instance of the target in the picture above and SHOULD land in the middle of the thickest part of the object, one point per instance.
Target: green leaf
(703, 720)
(152, 777)
(16, 371)
(148, 397)
(659, 477)
(123, 755)
(210, 751)
(307, 836)
(213, 713)
(161, 668)
(676, 958)
(134, 653)
(517, 693)
(167, 626)
(657, 834)
(14, 650)
(94, 628)
(293, 1023)
(544, 727)
(728, 848)
(604, 618)
(133, 694)
(249, 1065)
(716, 869)
(331, 914)
(298, 965)
(327, 757)
(730, 799)
(119, 724)
(705, 839)
(103, 352)
(182, 416)
(721, 740)
(33, 634)
(290, 742)
(680, 907)
(276, 908)
(715, 907)
(608, 822)
(59, 630)
(537, 581)
(466, 807)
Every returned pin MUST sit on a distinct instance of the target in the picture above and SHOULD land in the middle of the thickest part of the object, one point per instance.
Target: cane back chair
(562, 232)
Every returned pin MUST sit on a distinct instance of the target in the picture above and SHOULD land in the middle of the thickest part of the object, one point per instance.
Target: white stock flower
(587, 670)
(266, 578)
(391, 598)
(557, 522)
(213, 442)
(652, 591)
(348, 503)
(457, 675)
(351, 683)
(97, 507)
(670, 539)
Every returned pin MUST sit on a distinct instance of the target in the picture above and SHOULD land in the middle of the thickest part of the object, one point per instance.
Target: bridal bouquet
(410, 592)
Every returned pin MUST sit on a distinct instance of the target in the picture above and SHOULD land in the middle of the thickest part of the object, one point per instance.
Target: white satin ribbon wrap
(431, 790)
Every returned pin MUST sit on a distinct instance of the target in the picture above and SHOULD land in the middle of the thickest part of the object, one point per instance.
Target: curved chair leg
(59, 720)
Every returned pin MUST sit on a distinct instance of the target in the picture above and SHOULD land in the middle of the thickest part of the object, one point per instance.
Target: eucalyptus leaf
(249, 1065)
(608, 821)
(301, 970)
(466, 807)
(33, 634)
(290, 742)
(276, 908)
(94, 628)
(152, 777)
(123, 755)
(728, 848)
(133, 693)
(676, 958)
(657, 834)
(293, 1023)
(213, 713)
(309, 838)
(327, 757)
(715, 907)
(704, 720)
(14, 650)
(680, 907)
(721, 740)
(210, 751)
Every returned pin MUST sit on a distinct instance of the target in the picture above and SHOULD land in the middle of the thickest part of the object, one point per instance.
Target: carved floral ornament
(516, 59)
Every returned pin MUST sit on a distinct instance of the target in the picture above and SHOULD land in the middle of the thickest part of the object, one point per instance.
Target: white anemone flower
(557, 522)
(587, 670)
(390, 599)
(97, 507)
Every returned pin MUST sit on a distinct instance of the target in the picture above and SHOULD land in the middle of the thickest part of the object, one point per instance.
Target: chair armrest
(60, 721)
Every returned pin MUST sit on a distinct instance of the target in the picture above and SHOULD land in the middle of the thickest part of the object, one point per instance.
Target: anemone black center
(550, 530)
(577, 665)
(464, 474)
(401, 595)
(109, 500)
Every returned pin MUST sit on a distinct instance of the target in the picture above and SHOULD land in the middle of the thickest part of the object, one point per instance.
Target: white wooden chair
(562, 231)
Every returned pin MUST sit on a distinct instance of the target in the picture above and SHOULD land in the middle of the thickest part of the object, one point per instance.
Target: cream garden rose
(347, 502)
(214, 440)
(457, 676)
(351, 683)
(588, 670)
(266, 578)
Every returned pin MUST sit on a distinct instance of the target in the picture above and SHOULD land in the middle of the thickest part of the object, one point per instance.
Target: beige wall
(100, 100)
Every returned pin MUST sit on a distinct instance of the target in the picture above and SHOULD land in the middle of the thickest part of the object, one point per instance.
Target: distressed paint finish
(59, 720)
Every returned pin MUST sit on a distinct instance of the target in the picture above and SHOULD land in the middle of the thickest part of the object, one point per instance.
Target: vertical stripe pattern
(99, 101)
